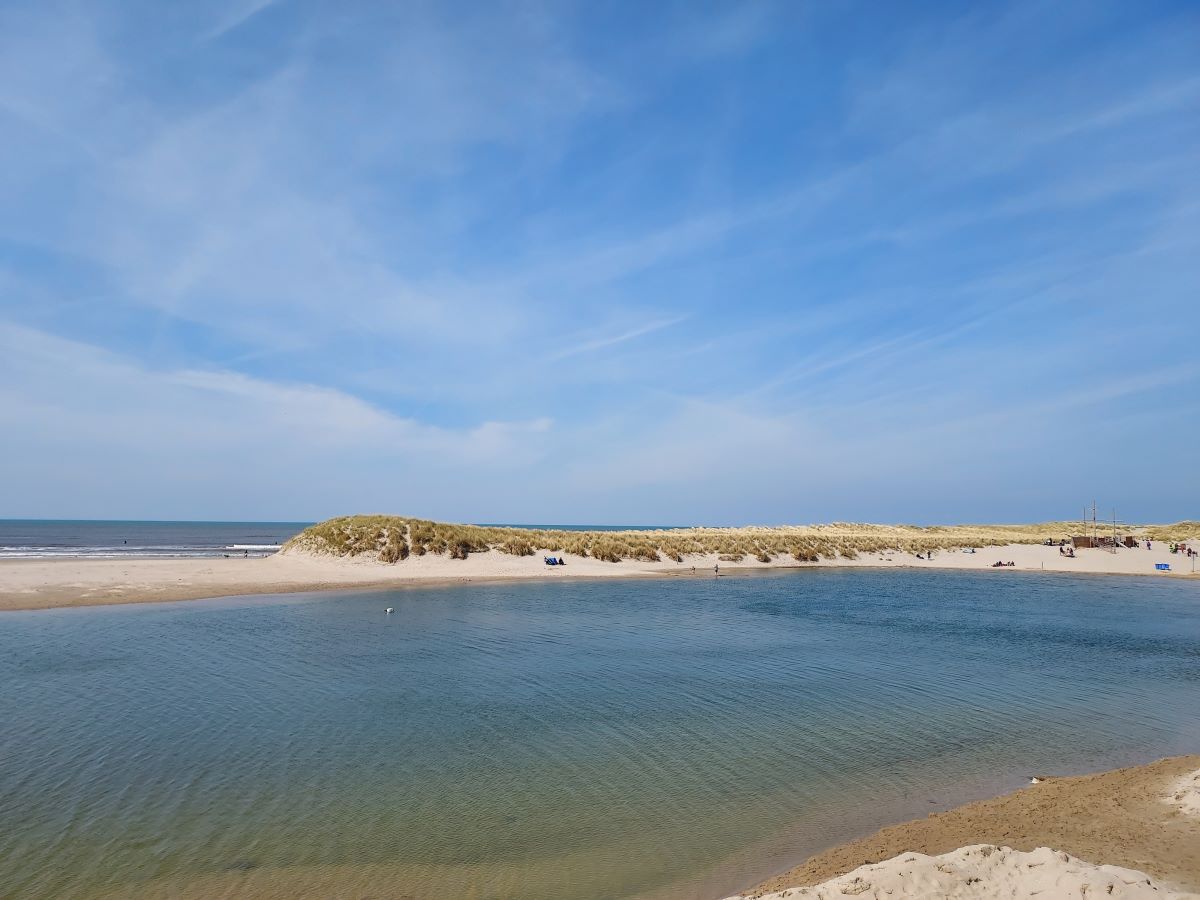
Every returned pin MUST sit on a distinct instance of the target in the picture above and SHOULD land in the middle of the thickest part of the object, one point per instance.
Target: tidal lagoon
(672, 738)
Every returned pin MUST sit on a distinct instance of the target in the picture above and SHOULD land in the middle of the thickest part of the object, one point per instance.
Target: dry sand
(1142, 819)
(78, 581)
(73, 581)
(1184, 794)
(984, 870)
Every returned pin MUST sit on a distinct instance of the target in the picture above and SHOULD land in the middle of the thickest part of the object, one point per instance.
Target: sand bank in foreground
(45, 583)
(984, 870)
(1133, 830)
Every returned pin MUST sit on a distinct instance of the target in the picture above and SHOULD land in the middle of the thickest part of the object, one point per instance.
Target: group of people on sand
(1004, 565)
(1181, 548)
(554, 561)
(1067, 551)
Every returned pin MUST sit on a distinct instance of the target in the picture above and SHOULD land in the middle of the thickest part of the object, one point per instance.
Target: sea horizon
(34, 538)
(141, 538)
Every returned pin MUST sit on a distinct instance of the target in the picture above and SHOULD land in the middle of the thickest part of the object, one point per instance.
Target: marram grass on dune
(395, 538)
(1180, 531)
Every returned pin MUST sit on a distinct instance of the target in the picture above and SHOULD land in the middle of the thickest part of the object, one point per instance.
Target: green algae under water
(668, 739)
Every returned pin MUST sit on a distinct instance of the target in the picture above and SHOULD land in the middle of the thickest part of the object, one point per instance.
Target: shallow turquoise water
(664, 738)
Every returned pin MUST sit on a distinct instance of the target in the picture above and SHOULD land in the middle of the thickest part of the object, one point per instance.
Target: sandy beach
(1131, 832)
(73, 581)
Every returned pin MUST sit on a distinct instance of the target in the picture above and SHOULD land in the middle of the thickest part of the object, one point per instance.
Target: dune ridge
(392, 539)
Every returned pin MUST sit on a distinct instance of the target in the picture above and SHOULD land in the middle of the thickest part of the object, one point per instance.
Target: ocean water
(41, 538)
(597, 739)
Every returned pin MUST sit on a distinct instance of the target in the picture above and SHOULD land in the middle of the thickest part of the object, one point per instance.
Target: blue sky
(619, 262)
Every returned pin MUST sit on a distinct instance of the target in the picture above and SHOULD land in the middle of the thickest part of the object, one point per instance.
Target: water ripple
(561, 740)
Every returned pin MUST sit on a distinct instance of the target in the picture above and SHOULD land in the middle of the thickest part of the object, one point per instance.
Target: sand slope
(986, 871)
(1137, 818)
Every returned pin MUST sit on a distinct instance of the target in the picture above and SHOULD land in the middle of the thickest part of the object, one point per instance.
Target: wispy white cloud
(614, 339)
(164, 430)
(236, 15)
(724, 31)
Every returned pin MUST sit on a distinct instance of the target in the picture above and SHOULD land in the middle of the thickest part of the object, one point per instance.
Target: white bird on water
(390, 610)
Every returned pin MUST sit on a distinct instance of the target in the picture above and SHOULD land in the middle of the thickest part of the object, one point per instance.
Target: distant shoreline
(30, 584)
